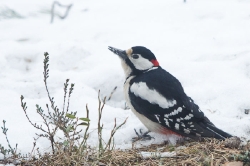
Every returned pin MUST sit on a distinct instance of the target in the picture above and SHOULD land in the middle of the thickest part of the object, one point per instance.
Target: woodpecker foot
(141, 136)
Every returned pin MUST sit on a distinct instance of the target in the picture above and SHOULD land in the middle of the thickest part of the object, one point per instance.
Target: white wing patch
(141, 90)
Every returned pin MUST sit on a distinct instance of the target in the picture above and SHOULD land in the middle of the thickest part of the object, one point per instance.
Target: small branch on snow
(53, 10)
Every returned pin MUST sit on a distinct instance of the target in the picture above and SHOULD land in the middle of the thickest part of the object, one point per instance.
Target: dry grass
(209, 152)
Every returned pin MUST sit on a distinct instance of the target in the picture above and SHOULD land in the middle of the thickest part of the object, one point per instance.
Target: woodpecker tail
(210, 130)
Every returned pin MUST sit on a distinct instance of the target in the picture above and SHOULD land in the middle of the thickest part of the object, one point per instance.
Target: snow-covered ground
(205, 44)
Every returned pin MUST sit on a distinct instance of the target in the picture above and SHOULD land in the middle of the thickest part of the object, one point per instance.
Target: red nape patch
(155, 62)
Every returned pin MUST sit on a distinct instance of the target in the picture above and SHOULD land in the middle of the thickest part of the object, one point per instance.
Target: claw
(136, 133)
(142, 136)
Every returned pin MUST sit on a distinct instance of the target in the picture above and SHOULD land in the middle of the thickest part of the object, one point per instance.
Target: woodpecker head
(136, 60)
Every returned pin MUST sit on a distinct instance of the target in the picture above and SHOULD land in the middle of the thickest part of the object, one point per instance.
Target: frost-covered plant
(10, 149)
(54, 119)
(73, 145)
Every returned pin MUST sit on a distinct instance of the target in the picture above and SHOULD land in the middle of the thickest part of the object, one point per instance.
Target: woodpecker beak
(121, 53)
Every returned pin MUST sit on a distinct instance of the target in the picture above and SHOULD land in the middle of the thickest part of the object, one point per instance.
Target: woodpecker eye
(135, 56)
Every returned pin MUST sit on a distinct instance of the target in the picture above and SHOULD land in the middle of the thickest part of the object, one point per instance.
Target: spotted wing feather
(183, 117)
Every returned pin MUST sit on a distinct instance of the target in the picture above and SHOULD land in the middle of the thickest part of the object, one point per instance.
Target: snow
(157, 154)
(205, 44)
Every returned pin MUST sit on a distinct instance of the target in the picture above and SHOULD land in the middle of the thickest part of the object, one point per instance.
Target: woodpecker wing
(160, 97)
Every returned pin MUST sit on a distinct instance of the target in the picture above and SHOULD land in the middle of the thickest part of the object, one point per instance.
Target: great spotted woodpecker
(157, 98)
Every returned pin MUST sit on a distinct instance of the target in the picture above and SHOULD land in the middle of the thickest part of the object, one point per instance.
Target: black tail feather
(217, 133)
(206, 129)
(211, 131)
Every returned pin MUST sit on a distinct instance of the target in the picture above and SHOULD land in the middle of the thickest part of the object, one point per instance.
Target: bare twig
(68, 7)
(113, 131)
(111, 94)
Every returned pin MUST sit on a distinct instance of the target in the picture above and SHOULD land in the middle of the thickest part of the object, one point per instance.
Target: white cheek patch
(141, 63)
(141, 90)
